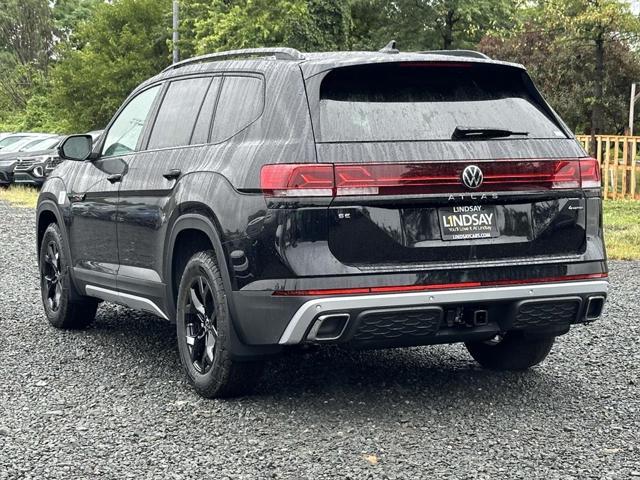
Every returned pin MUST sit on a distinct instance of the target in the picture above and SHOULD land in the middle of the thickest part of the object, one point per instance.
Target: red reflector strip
(436, 65)
(326, 180)
(437, 286)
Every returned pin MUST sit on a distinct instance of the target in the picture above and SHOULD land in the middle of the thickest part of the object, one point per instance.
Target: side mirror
(76, 147)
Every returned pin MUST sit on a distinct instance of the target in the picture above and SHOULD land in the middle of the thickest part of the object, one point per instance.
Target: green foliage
(66, 65)
(125, 43)
(370, 29)
(25, 49)
(560, 42)
(429, 24)
(68, 14)
(304, 24)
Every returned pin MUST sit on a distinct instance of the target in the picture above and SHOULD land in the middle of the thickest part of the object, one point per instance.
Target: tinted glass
(426, 102)
(203, 124)
(241, 102)
(178, 112)
(5, 142)
(46, 144)
(29, 145)
(125, 132)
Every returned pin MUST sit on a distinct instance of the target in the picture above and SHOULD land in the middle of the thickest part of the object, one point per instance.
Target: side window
(177, 114)
(124, 133)
(241, 102)
(203, 124)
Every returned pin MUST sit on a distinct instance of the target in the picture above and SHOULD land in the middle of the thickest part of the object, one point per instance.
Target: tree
(68, 14)
(447, 24)
(370, 29)
(25, 46)
(599, 22)
(124, 43)
(303, 24)
(580, 52)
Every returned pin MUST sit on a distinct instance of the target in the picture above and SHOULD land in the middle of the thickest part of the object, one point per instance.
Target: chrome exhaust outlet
(595, 305)
(328, 327)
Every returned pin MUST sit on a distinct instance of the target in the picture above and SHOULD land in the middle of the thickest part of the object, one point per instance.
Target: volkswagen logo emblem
(472, 176)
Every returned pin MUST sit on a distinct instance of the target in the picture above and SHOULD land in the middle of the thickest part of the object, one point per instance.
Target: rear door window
(241, 103)
(178, 112)
(427, 101)
(205, 117)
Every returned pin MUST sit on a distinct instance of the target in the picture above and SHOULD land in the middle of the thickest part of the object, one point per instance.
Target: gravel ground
(112, 402)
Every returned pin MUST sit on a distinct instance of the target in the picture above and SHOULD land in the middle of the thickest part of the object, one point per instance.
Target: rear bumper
(419, 318)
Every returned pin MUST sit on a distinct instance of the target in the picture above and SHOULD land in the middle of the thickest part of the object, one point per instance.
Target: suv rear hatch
(444, 162)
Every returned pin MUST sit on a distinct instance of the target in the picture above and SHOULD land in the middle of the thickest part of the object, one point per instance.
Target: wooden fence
(618, 157)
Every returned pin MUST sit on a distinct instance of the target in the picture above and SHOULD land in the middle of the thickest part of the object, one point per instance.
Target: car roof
(31, 134)
(319, 62)
(267, 59)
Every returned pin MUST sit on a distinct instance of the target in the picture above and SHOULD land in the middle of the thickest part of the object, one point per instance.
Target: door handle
(172, 174)
(116, 177)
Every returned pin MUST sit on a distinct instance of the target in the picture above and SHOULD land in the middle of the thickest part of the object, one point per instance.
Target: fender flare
(48, 205)
(194, 221)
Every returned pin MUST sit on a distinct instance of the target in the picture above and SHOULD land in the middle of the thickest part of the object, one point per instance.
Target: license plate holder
(468, 222)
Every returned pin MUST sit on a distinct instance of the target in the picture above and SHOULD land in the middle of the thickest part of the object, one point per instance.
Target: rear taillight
(590, 173)
(325, 180)
(297, 180)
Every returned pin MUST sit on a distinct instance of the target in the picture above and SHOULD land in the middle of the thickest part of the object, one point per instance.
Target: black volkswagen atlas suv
(266, 198)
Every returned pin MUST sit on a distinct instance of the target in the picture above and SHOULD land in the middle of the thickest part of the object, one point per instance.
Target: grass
(622, 229)
(20, 195)
(621, 221)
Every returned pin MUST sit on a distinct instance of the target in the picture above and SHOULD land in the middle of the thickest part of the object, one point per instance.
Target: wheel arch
(200, 232)
(46, 214)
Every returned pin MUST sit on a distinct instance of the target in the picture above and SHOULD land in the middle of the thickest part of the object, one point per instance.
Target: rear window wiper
(471, 133)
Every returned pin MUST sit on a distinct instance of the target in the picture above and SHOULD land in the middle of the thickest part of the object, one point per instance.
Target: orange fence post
(632, 186)
(619, 165)
(604, 169)
(614, 169)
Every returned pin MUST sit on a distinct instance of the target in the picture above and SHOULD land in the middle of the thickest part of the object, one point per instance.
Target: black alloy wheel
(201, 326)
(64, 307)
(52, 276)
(204, 332)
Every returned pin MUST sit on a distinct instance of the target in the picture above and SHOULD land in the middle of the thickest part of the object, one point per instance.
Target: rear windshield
(427, 101)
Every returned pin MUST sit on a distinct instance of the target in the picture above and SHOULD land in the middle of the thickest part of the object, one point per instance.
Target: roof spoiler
(458, 53)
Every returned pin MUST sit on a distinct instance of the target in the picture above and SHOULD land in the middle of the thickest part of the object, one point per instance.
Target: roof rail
(280, 53)
(458, 53)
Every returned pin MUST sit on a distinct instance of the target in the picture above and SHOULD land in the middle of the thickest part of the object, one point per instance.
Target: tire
(61, 306)
(204, 330)
(514, 351)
